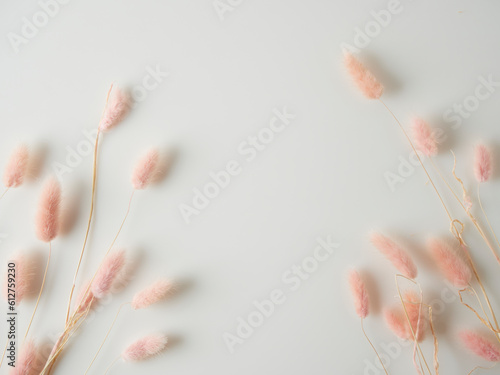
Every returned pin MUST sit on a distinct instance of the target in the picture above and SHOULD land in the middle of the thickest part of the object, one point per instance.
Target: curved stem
(4, 351)
(94, 180)
(106, 337)
(419, 159)
(41, 291)
(85, 294)
(373, 347)
(112, 364)
(486, 216)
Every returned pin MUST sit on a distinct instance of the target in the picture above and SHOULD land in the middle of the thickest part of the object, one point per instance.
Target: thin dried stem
(107, 335)
(5, 192)
(112, 364)
(373, 347)
(4, 351)
(408, 317)
(486, 216)
(91, 213)
(41, 291)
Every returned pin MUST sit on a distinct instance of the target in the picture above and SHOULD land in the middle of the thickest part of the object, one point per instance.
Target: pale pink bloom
(145, 169)
(26, 363)
(47, 217)
(397, 323)
(450, 263)
(363, 79)
(23, 276)
(481, 346)
(413, 306)
(424, 137)
(359, 294)
(16, 167)
(84, 298)
(116, 109)
(483, 165)
(108, 273)
(395, 254)
(152, 294)
(144, 348)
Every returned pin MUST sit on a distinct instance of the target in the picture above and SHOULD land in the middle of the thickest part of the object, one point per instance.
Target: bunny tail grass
(480, 346)
(152, 294)
(362, 78)
(144, 348)
(483, 165)
(395, 254)
(41, 290)
(47, 216)
(15, 170)
(145, 169)
(359, 294)
(424, 137)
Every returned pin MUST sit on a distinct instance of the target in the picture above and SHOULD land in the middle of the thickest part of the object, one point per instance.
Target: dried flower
(152, 294)
(84, 298)
(394, 253)
(47, 217)
(27, 361)
(145, 169)
(359, 293)
(108, 273)
(24, 277)
(481, 346)
(424, 137)
(15, 170)
(116, 109)
(144, 348)
(396, 321)
(362, 78)
(413, 307)
(450, 263)
(483, 165)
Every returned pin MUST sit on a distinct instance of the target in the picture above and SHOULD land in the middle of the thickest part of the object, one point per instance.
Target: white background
(323, 175)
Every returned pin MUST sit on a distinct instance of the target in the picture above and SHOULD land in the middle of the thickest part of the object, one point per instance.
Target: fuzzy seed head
(145, 169)
(47, 216)
(144, 348)
(395, 254)
(362, 78)
(450, 262)
(152, 294)
(483, 165)
(108, 273)
(359, 294)
(481, 346)
(16, 167)
(116, 109)
(424, 137)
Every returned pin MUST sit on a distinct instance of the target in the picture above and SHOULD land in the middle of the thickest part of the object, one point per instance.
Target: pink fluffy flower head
(483, 165)
(481, 346)
(108, 273)
(144, 348)
(23, 276)
(16, 167)
(359, 294)
(26, 363)
(362, 78)
(152, 294)
(84, 298)
(47, 217)
(413, 307)
(116, 109)
(396, 322)
(424, 137)
(450, 263)
(395, 254)
(145, 169)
